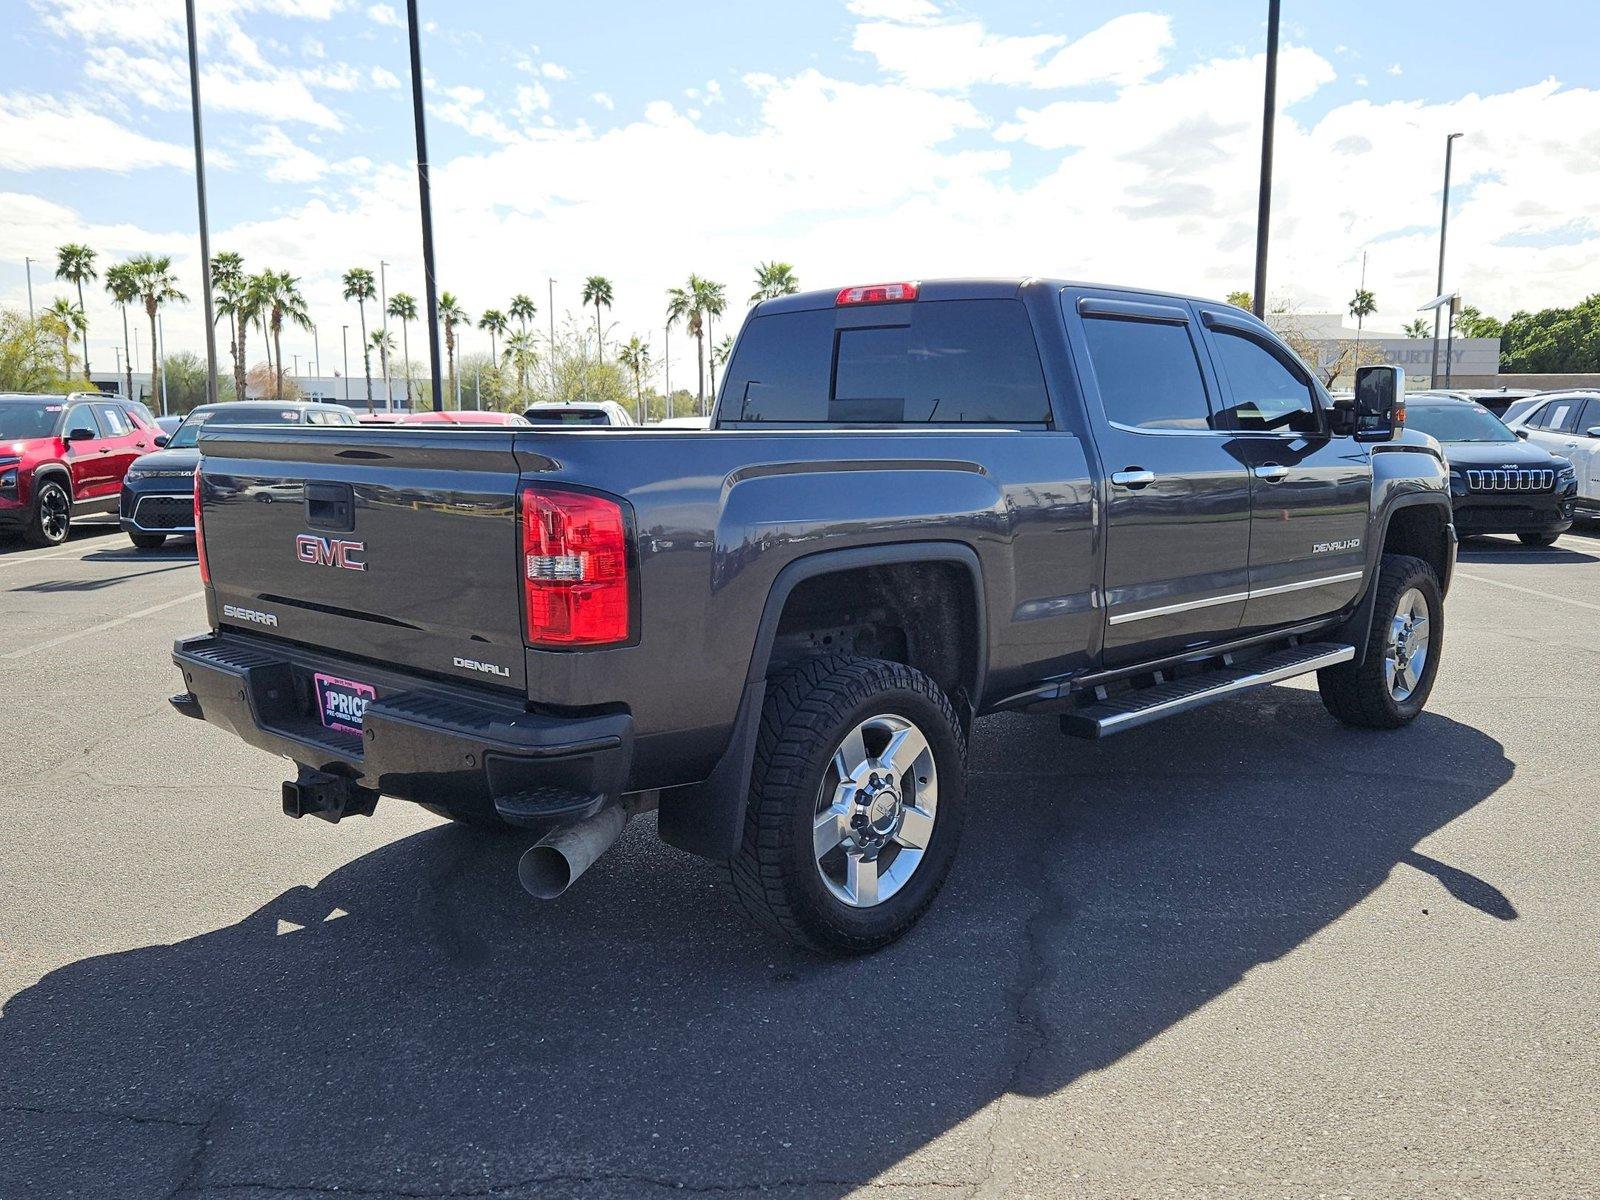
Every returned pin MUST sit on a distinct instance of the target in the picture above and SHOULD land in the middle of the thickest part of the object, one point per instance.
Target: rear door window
(1148, 374)
(113, 421)
(938, 362)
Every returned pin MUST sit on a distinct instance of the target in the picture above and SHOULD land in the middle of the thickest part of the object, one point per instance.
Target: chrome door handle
(1133, 477)
(1271, 472)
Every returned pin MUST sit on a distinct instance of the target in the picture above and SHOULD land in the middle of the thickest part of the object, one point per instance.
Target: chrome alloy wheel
(54, 512)
(875, 811)
(1405, 654)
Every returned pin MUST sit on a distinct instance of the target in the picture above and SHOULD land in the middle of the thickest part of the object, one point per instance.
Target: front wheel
(1538, 539)
(147, 541)
(52, 515)
(1389, 687)
(857, 797)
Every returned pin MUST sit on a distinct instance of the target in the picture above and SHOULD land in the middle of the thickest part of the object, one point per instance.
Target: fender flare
(1357, 628)
(707, 818)
(51, 470)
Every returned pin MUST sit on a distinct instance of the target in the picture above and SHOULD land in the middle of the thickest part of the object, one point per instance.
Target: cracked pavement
(1239, 953)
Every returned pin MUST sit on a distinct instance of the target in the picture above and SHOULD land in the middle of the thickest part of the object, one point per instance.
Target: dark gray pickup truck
(917, 504)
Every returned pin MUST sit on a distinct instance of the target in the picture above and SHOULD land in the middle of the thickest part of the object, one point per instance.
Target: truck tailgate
(400, 546)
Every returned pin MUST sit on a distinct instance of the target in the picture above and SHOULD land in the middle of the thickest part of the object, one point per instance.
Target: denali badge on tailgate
(329, 552)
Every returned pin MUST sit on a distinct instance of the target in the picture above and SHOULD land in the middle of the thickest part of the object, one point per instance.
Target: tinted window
(328, 416)
(1458, 423)
(19, 421)
(1148, 374)
(1267, 394)
(1560, 416)
(569, 416)
(187, 434)
(955, 361)
(79, 416)
(1590, 418)
(113, 421)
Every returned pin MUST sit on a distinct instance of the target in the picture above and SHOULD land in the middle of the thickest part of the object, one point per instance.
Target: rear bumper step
(1132, 709)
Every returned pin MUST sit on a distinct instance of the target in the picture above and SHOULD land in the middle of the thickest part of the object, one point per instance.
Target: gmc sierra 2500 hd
(918, 503)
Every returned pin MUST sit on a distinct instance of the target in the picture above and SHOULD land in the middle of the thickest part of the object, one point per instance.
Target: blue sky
(858, 139)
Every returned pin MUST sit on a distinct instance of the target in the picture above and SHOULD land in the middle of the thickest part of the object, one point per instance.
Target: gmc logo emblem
(329, 552)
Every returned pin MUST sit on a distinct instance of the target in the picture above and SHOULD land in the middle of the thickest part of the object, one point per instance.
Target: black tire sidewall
(887, 919)
(36, 529)
(147, 541)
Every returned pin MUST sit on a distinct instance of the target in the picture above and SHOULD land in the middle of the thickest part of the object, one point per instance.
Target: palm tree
(519, 349)
(63, 319)
(635, 355)
(451, 314)
(597, 291)
(522, 310)
(360, 287)
(713, 302)
(403, 308)
(774, 279)
(75, 264)
(722, 351)
(281, 299)
(694, 304)
(228, 284)
(493, 322)
(157, 286)
(380, 340)
(124, 289)
(1416, 329)
(1362, 306)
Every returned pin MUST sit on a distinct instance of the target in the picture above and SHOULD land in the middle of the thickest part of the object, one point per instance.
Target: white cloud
(1394, 69)
(958, 55)
(604, 101)
(555, 71)
(385, 14)
(288, 162)
(382, 77)
(893, 10)
(39, 133)
(532, 99)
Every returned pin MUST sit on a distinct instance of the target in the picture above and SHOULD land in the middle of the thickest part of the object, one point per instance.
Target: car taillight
(200, 533)
(575, 568)
(877, 293)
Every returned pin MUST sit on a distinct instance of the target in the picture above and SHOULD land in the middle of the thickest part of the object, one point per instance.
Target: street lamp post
(666, 356)
(1444, 220)
(344, 337)
(424, 192)
(383, 348)
(316, 349)
(27, 265)
(1258, 298)
(200, 193)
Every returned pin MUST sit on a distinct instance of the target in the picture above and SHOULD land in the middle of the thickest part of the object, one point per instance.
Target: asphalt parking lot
(1241, 953)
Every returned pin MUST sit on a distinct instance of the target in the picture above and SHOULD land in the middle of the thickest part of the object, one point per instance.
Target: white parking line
(102, 627)
(23, 560)
(1516, 587)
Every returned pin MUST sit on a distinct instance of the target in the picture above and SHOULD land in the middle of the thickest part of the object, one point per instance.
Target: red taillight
(575, 568)
(200, 533)
(877, 293)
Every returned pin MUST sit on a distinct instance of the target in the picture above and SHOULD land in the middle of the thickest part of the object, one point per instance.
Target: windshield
(189, 432)
(18, 421)
(1458, 423)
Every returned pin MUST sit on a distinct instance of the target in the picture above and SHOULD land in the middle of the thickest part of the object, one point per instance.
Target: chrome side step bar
(1136, 708)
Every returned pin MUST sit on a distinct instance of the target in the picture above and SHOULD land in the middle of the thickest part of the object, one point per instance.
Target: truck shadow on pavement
(414, 1025)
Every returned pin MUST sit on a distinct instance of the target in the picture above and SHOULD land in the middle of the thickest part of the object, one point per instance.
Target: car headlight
(8, 480)
(133, 475)
(1565, 472)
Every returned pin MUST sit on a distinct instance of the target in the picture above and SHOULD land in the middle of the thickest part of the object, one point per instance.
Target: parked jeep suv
(63, 457)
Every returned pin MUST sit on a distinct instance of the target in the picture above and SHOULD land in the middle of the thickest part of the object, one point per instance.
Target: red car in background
(63, 457)
(463, 417)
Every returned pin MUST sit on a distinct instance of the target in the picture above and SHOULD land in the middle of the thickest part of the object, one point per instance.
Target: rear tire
(1538, 539)
(857, 797)
(51, 521)
(147, 541)
(1390, 686)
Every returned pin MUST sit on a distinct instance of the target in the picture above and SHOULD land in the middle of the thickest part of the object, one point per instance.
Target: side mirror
(161, 440)
(1593, 431)
(1380, 403)
(82, 433)
(1521, 433)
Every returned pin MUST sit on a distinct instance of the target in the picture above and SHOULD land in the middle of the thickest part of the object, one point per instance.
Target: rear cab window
(944, 362)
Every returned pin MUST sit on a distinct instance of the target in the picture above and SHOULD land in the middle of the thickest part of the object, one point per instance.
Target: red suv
(65, 456)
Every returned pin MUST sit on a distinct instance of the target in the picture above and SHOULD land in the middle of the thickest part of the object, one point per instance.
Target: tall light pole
(1444, 221)
(424, 192)
(666, 358)
(383, 347)
(344, 336)
(27, 265)
(1258, 297)
(316, 348)
(200, 194)
(161, 357)
(552, 312)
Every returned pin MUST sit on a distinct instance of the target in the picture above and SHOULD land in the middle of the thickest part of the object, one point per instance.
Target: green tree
(451, 314)
(403, 308)
(522, 310)
(774, 279)
(228, 287)
(1242, 300)
(635, 356)
(1362, 306)
(157, 286)
(695, 304)
(493, 322)
(124, 289)
(185, 373)
(75, 264)
(1470, 323)
(597, 291)
(1416, 329)
(281, 301)
(360, 287)
(722, 351)
(64, 319)
(1553, 340)
(520, 354)
(28, 353)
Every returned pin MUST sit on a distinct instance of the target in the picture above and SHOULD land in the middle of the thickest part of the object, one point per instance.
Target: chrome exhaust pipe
(555, 861)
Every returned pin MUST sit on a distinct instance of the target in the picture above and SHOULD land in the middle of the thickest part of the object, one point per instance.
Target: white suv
(1568, 424)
